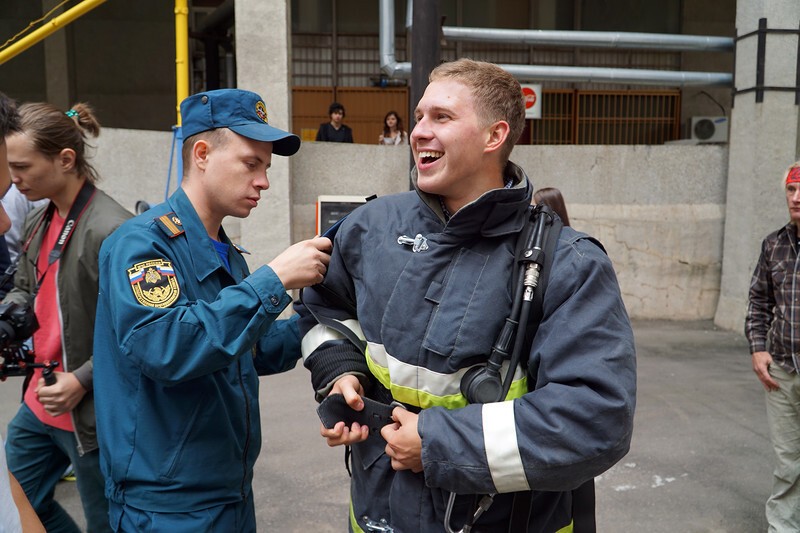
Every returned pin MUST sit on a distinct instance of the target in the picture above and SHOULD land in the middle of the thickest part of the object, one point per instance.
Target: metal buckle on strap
(382, 525)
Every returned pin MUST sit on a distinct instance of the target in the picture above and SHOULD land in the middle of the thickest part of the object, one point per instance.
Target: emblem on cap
(154, 283)
(261, 110)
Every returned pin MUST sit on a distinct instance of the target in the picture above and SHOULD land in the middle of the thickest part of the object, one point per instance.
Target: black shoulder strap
(553, 233)
(583, 498)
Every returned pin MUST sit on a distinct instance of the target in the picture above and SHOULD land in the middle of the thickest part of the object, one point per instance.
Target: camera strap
(79, 206)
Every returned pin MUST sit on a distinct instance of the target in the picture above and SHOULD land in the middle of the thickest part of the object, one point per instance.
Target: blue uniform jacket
(178, 344)
(430, 311)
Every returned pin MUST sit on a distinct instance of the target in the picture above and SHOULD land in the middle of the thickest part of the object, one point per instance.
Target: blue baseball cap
(242, 112)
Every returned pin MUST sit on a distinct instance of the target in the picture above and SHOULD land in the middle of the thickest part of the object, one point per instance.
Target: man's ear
(66, 158)
(498, 133)
(200, 152)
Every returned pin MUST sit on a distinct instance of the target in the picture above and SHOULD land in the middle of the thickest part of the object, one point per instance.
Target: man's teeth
(428, 157)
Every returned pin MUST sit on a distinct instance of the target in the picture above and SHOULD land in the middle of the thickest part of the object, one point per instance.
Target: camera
(18, 323)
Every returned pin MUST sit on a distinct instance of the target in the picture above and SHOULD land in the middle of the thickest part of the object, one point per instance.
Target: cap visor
(283, 142)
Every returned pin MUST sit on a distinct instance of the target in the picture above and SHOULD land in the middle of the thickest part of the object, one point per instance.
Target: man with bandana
(772, 327)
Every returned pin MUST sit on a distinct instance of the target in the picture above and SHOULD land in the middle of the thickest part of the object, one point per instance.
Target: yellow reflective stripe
(500, 444)
(566, 529)
(518, 388)
(424, 388)
(353, 522)
(320, 334)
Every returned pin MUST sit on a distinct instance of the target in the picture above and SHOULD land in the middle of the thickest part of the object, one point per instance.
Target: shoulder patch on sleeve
(154, 283)
(170, 224)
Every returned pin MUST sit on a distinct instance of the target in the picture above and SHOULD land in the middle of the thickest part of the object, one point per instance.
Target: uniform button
(274, 299)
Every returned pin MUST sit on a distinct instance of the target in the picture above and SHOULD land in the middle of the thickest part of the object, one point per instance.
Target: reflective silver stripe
(319, 334)
(502, 452)
(419, 378)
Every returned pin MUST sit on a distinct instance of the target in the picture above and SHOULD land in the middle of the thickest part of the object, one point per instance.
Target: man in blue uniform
(425, 279)
(183, 330)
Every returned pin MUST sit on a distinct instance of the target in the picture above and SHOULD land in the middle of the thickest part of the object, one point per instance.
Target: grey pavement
(700, 460)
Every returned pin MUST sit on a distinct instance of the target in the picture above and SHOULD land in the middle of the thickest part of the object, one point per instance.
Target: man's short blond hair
(498, 96)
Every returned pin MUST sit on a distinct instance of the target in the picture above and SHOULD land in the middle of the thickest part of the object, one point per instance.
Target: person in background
(393, 133)
(9, 121)
(57, 279)
(16, 512)
(772, 327)
(551, 197)
(335, 130)
(17, 206)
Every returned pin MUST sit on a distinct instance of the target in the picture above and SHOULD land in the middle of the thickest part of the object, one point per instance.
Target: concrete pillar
(263, 42)
(764, 141)
(58, 54)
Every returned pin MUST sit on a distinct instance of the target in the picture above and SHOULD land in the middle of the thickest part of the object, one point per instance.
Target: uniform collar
(495, 212)
(205, 258)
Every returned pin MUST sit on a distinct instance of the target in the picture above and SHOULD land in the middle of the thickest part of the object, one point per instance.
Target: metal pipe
(221, 17)
(49, 27)
(624, 76)
(593, 39)
(393, 69)
(181, 54)
(389, 64)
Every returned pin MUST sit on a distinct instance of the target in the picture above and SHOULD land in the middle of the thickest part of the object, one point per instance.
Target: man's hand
(62, 396)
(403, 443)
(761, 362)
(351, 389)
(303, 263)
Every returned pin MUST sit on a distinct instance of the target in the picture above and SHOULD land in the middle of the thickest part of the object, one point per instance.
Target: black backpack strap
(583, 497)
(583, 516)
(553, 233)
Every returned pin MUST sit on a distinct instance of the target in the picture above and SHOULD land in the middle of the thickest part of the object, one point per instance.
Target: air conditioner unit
(710, 129)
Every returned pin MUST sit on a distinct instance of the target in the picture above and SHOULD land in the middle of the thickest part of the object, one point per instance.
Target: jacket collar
(496, 212)
(205, 258)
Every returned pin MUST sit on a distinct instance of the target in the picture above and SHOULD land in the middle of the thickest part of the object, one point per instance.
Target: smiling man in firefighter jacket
(425, 279)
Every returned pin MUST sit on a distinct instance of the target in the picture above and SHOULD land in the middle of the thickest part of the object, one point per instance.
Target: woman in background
(551, 197)
(393, 132)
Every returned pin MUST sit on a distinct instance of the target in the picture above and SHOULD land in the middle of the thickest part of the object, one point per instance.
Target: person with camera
(57, 281)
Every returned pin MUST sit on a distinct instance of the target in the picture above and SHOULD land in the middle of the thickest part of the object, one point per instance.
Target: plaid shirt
(773, 312)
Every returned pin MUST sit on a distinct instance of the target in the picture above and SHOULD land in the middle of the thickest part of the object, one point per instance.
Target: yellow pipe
(50, 27)
(181, 53)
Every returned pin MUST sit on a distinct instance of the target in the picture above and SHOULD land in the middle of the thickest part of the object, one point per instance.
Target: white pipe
(593, 39)
(625, 76)
(389, 64)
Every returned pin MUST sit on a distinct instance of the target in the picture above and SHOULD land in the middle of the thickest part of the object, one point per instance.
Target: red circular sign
(530, 97)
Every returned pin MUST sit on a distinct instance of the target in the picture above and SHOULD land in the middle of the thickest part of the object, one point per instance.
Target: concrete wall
(658, 210)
